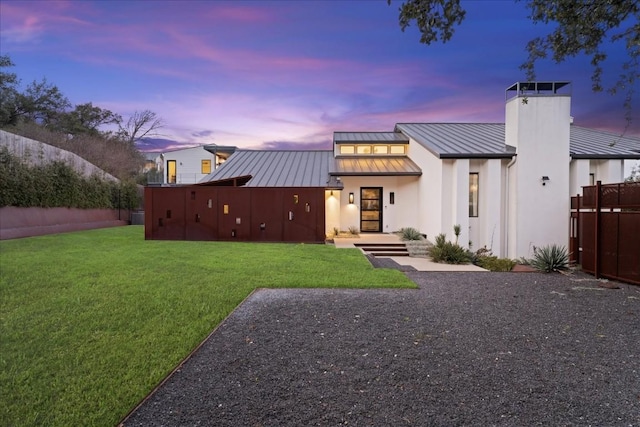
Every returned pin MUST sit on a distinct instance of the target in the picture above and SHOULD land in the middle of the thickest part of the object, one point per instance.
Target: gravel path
(484, 349)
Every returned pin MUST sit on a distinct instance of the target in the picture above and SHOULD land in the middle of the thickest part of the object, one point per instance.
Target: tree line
(40, 111)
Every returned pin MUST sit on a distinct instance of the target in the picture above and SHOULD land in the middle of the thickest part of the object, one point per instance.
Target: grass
(92, 321)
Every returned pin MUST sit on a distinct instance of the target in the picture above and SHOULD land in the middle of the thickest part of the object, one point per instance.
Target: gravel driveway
(484, 349)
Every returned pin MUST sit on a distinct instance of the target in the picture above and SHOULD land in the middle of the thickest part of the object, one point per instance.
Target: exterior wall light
(350, 198)
(544, 180)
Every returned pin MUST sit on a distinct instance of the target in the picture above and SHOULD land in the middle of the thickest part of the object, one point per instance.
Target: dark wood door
(371, 209)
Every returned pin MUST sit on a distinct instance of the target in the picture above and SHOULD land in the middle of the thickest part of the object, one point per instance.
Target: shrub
(441, 239)
(354, 230)
(550, 258)
(448, 252)
(410, 233)
(57, 184)
(493, 263)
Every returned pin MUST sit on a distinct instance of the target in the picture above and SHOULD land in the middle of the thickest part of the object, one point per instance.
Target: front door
(370, 209)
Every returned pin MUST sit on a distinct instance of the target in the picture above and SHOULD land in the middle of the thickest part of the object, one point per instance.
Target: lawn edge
(185, 360)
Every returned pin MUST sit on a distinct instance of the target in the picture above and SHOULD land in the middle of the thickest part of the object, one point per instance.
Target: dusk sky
(287, 74)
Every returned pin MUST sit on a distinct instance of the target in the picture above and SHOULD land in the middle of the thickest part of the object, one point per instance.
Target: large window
(473, 194)
(206, 166)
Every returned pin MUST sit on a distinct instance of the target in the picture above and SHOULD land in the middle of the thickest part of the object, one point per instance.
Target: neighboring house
(190, 165)
(153, 161)
(507, 185)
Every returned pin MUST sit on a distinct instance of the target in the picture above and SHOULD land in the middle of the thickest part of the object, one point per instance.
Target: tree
(40, 102)
(634, 176)
(8, 90)
(582, 26)
(86, 119)
(139, 125)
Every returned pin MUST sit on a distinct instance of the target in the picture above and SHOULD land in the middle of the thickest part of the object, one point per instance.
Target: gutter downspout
(505, 233)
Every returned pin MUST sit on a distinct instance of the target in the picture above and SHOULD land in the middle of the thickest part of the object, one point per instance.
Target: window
(205, 167)
(473, 194)
(347, 149)
(380, 149)
(363, 149)
(397, 149)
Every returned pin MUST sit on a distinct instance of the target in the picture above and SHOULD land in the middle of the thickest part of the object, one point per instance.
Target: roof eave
(375, 173)
(476, 155)
(606, 156)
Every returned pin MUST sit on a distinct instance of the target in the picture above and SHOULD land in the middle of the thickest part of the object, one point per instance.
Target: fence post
(597, 231)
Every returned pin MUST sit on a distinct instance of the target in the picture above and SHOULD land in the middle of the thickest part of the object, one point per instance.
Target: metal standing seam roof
(378, 166)
(459, 140)
(486, 140)
(594, 144)
(277, 168)
(372, 137)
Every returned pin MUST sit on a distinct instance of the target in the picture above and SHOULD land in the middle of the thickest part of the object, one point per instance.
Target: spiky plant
(550, 258)
(456, 230)
(410, 233)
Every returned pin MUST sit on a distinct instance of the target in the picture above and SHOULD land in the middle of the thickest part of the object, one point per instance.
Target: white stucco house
(191, 165)
(508, 185)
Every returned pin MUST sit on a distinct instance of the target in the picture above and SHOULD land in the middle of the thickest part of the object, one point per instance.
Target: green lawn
(92, 321)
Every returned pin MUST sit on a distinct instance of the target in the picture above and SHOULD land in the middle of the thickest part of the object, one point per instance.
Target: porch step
(383, 249)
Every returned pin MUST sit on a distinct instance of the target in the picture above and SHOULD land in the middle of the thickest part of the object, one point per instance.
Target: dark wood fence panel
(267, 215)
(235, 213)
(608, 231)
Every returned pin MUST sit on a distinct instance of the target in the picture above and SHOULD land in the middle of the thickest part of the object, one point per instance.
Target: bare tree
(139, 125)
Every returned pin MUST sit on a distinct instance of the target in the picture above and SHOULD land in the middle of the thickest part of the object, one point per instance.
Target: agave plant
(410, 233)
(550, 258)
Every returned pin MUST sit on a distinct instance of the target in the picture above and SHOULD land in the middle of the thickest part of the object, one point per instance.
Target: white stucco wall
(188, 164)
(402, 213)
(578, 175)
(430, 190)
(607, 171)
(459, 201)
(486, 228)
(539, 129)
(332, 211)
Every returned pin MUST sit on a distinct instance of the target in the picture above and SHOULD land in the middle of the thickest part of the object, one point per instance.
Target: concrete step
(379, 254)
(383, 249)
(377, 245)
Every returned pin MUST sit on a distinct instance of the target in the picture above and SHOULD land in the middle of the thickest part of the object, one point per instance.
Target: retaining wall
(27, 222)
(38, 153)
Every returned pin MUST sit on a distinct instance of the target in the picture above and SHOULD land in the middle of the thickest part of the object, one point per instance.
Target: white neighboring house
(190, 165)
(507, 185)
(153, 160)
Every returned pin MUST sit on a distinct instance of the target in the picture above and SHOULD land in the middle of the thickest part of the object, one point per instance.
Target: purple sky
(286, 74)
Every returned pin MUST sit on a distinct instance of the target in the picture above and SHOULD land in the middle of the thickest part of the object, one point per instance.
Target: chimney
(537, 124)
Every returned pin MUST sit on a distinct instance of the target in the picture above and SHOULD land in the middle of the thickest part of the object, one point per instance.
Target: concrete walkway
(420, 264)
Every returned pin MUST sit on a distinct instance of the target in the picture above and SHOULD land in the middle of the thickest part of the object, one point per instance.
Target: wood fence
(605, 231)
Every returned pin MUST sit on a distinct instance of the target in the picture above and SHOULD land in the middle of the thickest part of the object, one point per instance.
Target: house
(190, 165)
(507, 185)
(152, 161)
